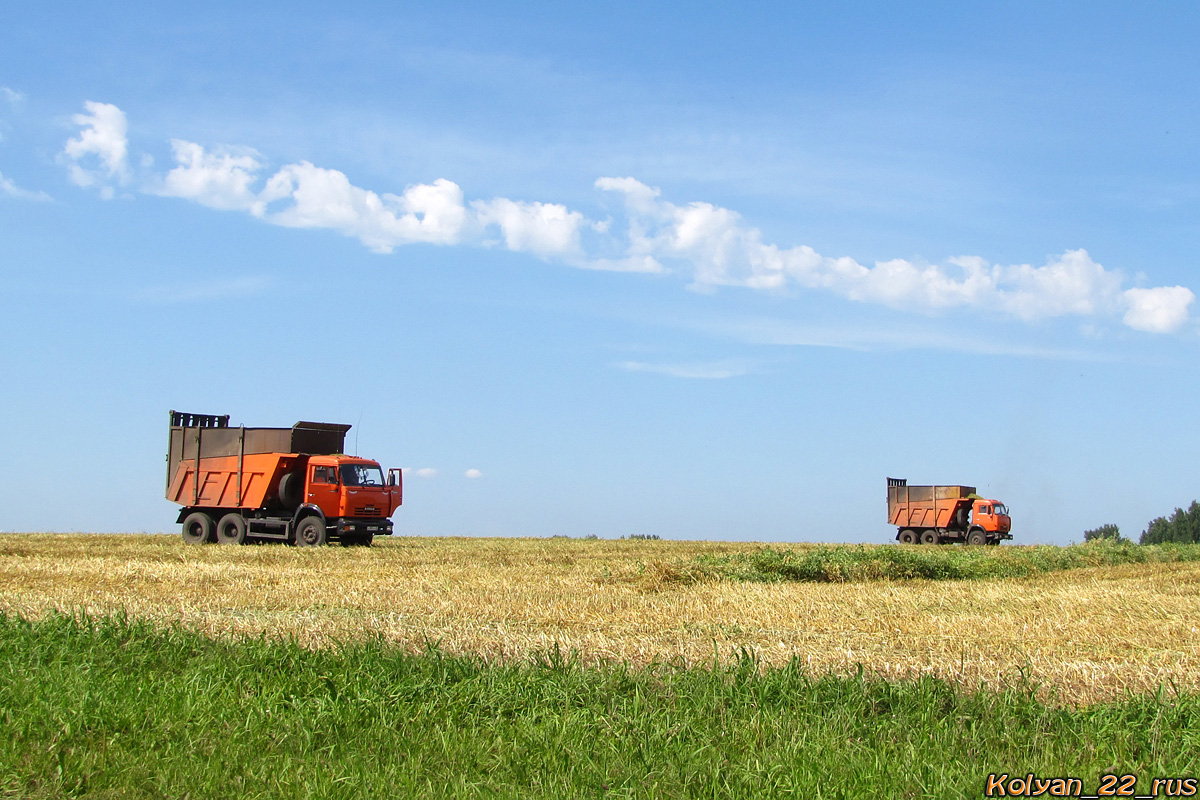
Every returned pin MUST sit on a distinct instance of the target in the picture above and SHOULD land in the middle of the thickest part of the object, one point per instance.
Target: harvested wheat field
(1084, 635)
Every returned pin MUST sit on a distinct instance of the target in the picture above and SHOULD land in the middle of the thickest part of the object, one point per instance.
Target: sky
(688, 270)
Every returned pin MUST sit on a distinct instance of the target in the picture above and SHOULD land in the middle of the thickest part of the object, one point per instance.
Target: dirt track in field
(1086, 635)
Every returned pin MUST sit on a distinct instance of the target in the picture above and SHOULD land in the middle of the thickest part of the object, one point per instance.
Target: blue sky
(678, 269)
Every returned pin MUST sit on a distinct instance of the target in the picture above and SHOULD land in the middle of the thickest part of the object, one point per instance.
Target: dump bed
(926, 506)
(212, 464)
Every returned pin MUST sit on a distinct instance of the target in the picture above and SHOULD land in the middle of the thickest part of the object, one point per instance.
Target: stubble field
(1083, 636)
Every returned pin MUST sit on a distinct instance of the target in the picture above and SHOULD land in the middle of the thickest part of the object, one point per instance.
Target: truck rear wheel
(198, 528)
(311, 532)
(977, 537)
(231, 529)
(908, 536)
(930, 536)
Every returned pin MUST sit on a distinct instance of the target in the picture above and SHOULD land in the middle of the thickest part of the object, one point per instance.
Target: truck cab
(351, 495)
(992, 516)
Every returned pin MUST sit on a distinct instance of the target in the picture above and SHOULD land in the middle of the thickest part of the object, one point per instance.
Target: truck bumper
(360, 527)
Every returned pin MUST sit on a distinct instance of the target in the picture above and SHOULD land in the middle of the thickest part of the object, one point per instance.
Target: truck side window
(322, 475)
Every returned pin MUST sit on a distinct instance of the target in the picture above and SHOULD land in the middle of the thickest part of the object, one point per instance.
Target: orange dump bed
(926, 506)
(212, 465)
(222, 485)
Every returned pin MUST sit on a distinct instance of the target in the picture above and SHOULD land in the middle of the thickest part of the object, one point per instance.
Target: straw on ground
(1087, 635)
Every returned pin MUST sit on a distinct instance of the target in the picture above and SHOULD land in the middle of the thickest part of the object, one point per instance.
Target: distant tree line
(1182, 526)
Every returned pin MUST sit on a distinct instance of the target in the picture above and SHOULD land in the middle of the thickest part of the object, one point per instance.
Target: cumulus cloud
(1159, 310)
(472, 473)
(97, 157)
(717, 248)
(710, 245)
(221, 179)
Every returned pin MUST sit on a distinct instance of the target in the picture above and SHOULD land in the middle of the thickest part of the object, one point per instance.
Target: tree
(1109, 531)
(1183, 526)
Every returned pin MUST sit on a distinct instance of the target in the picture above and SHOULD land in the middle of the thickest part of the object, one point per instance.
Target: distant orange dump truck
(292, 484)
(945, 514)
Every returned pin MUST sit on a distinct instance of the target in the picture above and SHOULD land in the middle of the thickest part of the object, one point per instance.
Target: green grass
(839, 563)
(107, 708)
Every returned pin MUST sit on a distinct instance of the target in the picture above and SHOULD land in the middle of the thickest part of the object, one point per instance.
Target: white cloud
(472, 473)
(220, 179)
(12, 96)
(10, 189)
(710, 245)
(710, 371)
(717, 248)
(104, 138)
(1159, 310)
(325, 198)
(544, 229)
(423, 472)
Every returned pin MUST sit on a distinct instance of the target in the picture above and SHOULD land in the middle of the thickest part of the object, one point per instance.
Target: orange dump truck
(944, 514)
(291, 484)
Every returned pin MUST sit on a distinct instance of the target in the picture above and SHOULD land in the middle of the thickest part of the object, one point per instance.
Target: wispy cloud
(213, 290)
(866, 339)
(10, 189)
(713, 370)
(710, 245)
(473, 473)
(11, 96)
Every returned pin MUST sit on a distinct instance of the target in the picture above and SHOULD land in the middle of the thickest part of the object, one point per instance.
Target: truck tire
(358, 540)
(231, 529)
(198, 528)
(908, 536)
(930, 536)
(977, 537)
(291, 490)
(311, 532)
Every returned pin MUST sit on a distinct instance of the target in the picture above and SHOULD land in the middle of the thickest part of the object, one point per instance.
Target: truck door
(984, 517)
(323, 489)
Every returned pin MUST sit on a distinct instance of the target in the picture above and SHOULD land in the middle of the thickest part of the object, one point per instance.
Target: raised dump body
(291, 483)
(932, 514)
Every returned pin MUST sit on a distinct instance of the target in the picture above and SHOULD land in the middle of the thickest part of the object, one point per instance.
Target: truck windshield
(1001, 508)
(361, 475)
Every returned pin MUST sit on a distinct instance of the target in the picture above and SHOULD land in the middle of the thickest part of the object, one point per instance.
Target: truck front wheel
(977, 537)
(198, 528)
(231, 529)
(311, 532)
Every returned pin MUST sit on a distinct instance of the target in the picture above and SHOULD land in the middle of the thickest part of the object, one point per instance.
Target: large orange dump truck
(945, 514)
(292, 484)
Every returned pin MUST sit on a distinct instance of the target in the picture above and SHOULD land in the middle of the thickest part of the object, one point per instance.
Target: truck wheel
(291, 489)
(198, 528)
(231, 529)
(977, 537)
(311, 532)
(929, 536)
(358, 540)
(908, 536)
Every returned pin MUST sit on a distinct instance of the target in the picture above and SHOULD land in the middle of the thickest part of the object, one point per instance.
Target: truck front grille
(368, 511)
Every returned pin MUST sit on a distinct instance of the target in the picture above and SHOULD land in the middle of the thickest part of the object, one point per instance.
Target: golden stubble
(1085, 635)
